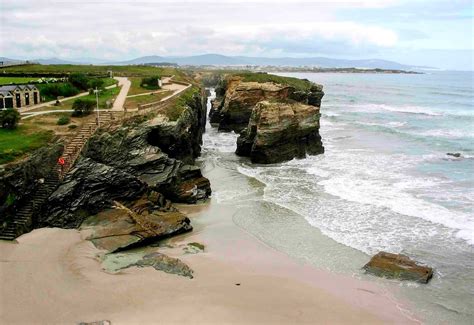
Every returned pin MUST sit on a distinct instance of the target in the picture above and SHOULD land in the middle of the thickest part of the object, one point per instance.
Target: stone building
(16, 96)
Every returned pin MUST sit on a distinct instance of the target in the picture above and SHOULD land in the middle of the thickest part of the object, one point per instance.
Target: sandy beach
(53, 276)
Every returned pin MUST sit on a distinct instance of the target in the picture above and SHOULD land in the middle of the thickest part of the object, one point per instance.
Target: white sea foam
(447, 133)
(409, 109)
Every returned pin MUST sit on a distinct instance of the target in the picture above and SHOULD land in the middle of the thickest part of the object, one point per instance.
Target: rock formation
(280, 131)
(278, 117)
(398, 266)
(118, 229)
(125, 162)
(236, 98)
(19, 180)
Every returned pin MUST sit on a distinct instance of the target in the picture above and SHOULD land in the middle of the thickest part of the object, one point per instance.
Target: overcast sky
(423, 32)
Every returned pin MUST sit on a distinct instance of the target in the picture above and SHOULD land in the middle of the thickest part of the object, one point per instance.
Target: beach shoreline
(237, 279)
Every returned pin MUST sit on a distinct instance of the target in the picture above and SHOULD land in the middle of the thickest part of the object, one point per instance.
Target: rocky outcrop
(235, 100)
(87, 189)
(241, 98)
(181, 139)
(127, 161)
(115, 230)
(161, 262)
(280, 131)
(19, 180)
(398, 266)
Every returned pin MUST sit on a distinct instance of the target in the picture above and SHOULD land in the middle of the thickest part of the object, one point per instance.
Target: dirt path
(120, 100)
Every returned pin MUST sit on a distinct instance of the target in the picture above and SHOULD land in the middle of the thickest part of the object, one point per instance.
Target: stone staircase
(73, 149)
(24, 218)
(23, 221)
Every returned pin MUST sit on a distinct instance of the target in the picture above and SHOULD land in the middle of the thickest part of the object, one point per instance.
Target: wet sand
(53, 276)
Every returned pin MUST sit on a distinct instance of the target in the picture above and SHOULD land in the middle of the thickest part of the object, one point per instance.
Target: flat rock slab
(397, 266)
(115, 230)
(144, 258)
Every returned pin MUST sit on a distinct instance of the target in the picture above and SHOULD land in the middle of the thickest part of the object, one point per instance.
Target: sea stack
(277, 117)
(280, 131)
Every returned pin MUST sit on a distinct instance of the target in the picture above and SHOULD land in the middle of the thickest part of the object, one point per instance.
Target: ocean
(385, 182)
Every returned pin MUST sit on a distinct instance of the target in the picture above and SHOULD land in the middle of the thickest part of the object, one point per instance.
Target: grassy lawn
(17, 143)
(265, 77)
(136, 89)
(109, 81)
(133, 102)
(104, 96)
(127, 70)
(16, 80)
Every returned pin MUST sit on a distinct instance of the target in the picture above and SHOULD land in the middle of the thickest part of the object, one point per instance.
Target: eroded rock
(280, 131)
(398, 266)
(114, 229)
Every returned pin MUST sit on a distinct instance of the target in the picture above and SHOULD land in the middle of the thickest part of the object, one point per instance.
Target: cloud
(121, 29)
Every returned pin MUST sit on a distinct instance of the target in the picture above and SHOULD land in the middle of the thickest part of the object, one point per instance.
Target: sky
(436, 33)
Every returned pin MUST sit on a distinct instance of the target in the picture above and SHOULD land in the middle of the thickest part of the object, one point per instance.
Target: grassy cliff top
(300, 84)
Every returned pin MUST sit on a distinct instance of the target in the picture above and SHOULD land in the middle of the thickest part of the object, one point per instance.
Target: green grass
(16, 80)
(136, 89)
(300, 84)
(104, 95)
(129, 70)
(109, 81)
(174, 112)
(17, 143)
(133, 102)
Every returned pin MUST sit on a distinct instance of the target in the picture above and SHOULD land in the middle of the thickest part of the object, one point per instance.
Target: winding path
(122, 96)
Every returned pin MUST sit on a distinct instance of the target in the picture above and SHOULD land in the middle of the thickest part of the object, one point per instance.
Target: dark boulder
(398, 266)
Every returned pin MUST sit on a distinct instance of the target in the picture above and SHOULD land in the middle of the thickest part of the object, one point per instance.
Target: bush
(79, 80)
(72, 126)
(9, 118)
(83, 107)
(63, 120)
(95, 83)
(55, 90)
(150, 82)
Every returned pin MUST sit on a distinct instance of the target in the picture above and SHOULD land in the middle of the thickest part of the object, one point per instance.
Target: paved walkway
(122, 96)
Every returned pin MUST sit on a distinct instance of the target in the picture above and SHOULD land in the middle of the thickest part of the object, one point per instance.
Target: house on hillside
(17, 96)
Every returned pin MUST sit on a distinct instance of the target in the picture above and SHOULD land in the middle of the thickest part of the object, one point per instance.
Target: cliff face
(280, 131)
(236, 99)
(19, 180)
(128, 162)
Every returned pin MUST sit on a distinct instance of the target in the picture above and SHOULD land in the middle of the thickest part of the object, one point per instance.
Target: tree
(9, 118)
(83, 107)
(150, 82)
(95, 83)
(79, 80)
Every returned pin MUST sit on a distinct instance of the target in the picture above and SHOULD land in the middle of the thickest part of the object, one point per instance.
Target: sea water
(385, 182)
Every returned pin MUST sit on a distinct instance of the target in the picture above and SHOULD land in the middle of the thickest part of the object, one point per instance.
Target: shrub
(72, 126)
(150, 82)
(9, 118)
(95, 83)
(83, 107)
(55, 90)
(79, 80)
(63, 120)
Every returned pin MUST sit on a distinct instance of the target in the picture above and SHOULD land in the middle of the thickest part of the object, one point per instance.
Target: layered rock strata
(280, 131)
(126, 162)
